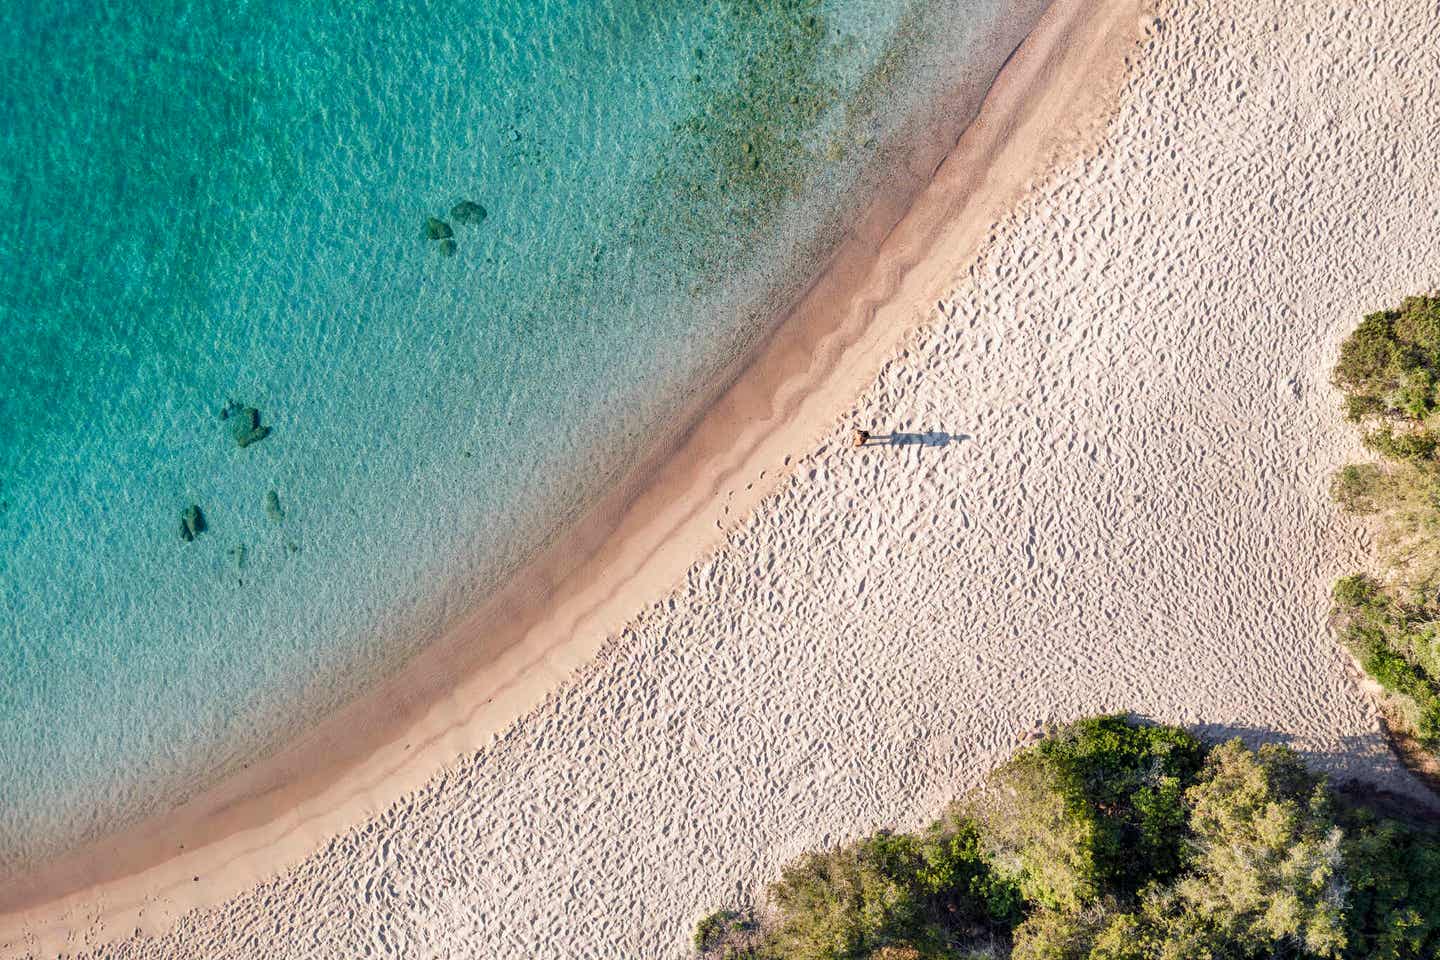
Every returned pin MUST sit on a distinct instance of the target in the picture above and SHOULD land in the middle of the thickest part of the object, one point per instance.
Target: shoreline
(635, 543)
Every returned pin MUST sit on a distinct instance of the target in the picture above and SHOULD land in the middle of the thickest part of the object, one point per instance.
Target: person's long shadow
(934, 438)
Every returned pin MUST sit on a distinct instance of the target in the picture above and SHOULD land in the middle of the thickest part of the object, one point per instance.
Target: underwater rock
(468, 213)
(437, 229)
(230, 409)
(447, 247)
(252, 436)
(192, 523)
(247, 427)
(272, 507)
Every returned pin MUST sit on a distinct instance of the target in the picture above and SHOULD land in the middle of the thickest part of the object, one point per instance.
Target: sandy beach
(1102, 352)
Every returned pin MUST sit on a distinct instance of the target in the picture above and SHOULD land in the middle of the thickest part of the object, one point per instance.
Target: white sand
(1131, 515)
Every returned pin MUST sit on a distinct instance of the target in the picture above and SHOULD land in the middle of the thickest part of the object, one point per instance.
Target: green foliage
(1417, 323)
(1052, 933)
(850, 901)
(728, 935)
(959, 879)
(1393, 872)
(1160, 928)
(1397, 646)
(1361, 594)
(1267, 860)
(1389, 364)
(1372, 360)
(1403, 500)
(928, 892)
(1098, 806)
(1389, 368)
(1409, 446)
(1357, 408)
(1248, 856)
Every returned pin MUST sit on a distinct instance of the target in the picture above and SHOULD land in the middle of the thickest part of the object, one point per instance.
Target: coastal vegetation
(1112, 839)
(1389, 370)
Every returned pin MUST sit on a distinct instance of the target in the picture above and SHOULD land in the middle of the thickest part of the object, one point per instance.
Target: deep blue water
(210, 201)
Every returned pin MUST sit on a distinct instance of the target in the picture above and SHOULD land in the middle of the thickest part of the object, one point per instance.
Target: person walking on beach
(860, 438)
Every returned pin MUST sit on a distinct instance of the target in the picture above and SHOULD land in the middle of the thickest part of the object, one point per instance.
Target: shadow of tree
(1338, 763)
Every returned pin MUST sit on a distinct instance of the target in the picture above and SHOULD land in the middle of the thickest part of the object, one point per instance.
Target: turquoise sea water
(212, 201)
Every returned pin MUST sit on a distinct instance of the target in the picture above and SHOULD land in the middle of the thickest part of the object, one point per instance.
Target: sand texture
(1112, 496)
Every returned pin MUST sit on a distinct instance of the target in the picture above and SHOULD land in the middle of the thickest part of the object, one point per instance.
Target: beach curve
(634, 544)
(1124, 508)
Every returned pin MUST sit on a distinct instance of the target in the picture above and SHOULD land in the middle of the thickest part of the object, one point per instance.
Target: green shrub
(1401, 653)
(1360, 595)
(1389, 364)
(1162, 928)
(849, 901)
(728, 935)
(1358, 488)
(1417, 323)
(1372, 359)
(1267, 865)
(1407, 446)
(1400, 678)
(1393, 898)
(1052, 933)
(1097, 806)
(1389, 368)
(1403, 502)
(929, 892)
(1358, 408)
(959, 880)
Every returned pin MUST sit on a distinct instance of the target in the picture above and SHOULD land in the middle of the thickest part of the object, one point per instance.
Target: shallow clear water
(208, 201)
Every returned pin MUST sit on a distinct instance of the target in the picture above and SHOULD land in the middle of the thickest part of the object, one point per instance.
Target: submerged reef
(742, 149)
(468, 213)
(245, 427)
(192, 522)
(747, 148)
